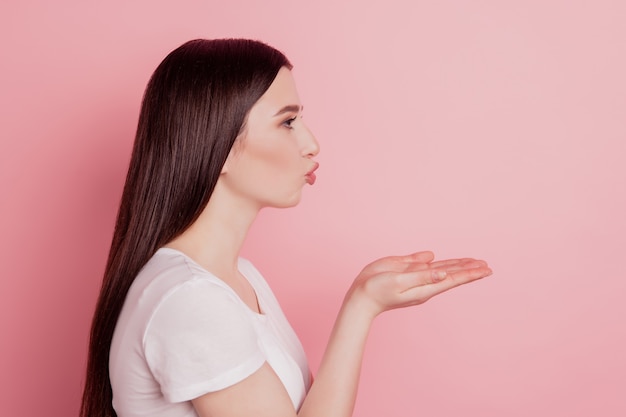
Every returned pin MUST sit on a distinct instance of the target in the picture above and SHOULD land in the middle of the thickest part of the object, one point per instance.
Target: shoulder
(182, 286)
(192, 309)
(169, 271)
(170, 290)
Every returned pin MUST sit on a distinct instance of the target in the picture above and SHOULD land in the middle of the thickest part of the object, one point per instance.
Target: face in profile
(273, 158)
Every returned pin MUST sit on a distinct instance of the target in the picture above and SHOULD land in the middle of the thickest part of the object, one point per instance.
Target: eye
(288, 123)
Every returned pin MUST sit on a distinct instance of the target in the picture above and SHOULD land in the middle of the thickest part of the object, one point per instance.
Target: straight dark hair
(193, 110)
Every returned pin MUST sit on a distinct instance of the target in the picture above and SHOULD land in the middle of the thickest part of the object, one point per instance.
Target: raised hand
(402, 281)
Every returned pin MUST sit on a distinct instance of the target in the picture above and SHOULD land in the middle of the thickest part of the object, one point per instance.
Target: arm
(388, 283)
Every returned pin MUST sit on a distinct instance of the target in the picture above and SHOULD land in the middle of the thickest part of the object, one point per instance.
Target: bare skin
(385, 284)
(269, 170)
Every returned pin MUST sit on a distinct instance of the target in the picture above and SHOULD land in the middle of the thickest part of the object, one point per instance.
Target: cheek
(274, 161)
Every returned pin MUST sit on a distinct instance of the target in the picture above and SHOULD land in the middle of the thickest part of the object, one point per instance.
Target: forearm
(388, 283)
(333, 393)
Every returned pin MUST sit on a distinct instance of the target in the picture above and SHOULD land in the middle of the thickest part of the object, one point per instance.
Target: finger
(462, 276)
(448, 263)
(459, 265)
(411, 279)
(444, 264)
(466, 275)
(415, 261)
(400, 263)
(458, 274)
(423, 257)
(421, 293)
(458, 261)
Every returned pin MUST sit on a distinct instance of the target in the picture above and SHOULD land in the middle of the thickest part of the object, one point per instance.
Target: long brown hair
(193, 109)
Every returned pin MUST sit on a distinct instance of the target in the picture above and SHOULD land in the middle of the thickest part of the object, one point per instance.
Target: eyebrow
(292, 108)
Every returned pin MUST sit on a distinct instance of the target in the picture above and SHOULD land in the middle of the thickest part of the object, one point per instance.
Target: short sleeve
(200, 339)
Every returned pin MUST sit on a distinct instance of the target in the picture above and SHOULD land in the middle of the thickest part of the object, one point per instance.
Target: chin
(291, 201)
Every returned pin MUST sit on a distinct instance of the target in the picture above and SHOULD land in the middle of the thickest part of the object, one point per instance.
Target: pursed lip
(310, 176)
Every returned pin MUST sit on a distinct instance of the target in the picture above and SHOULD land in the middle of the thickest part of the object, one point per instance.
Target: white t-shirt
(183, 332)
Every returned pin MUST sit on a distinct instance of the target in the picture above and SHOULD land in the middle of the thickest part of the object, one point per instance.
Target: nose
(310, 146)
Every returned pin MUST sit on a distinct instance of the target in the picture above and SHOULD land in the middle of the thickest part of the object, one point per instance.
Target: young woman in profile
(183, 325)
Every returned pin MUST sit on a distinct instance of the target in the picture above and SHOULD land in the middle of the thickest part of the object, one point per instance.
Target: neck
(215, 239)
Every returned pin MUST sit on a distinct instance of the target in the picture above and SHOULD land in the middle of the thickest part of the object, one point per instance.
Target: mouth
(310, 176)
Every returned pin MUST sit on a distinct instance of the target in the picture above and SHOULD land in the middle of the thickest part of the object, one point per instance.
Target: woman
(185, 327)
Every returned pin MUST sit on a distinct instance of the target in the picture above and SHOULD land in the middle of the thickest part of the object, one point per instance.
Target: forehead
(282, 92)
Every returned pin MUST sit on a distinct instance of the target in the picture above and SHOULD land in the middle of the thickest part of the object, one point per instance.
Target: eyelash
(287, 123)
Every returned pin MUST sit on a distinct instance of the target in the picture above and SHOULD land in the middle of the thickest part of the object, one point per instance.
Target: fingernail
(439, 275)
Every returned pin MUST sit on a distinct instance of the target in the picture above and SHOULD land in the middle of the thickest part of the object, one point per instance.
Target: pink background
(492, 129)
